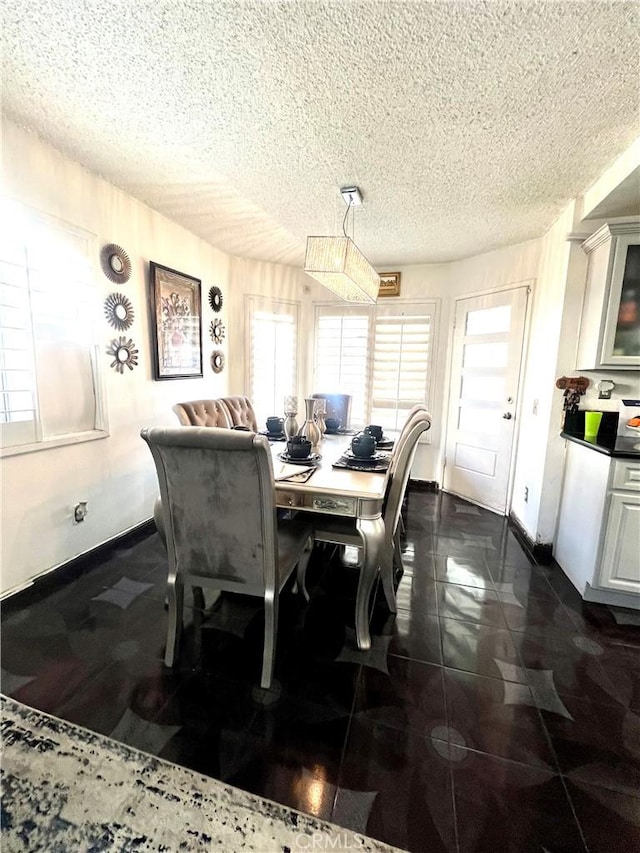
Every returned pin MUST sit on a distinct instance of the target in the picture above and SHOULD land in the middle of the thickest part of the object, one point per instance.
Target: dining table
(332, 491)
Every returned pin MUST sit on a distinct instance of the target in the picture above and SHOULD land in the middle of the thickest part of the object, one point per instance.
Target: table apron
(351, 506)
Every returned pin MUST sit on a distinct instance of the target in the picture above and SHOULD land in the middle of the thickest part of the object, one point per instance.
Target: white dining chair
(342, 531)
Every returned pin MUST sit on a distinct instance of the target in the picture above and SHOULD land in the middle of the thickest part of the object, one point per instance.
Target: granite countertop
(618, 446)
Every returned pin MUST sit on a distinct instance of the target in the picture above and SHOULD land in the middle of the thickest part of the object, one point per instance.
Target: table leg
(371, 532)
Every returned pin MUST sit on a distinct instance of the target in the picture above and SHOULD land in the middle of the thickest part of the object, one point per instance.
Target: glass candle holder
(290, 411)
(320, 412)
(291, 405)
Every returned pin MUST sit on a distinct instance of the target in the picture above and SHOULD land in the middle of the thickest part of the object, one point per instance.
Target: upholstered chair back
(218, 502)
(404, 454)
(209, 413)
(338, 406)
(418, 410)
(240, 412)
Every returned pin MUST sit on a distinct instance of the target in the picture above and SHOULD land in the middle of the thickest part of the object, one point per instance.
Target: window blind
(381, 356)
(341, 364)
(400, 367)
(273, 343)
(49, 309)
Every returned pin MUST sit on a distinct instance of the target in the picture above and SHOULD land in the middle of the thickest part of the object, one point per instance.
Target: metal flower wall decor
(119, 311)
(124, 353)
(217, 331)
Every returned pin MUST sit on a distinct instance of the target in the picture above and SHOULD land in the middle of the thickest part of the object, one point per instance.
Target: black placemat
(272, 437)
(377, 467)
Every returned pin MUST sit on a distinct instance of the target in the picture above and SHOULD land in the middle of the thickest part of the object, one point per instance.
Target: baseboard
(540, 552)
(423, 486)
(73, 568)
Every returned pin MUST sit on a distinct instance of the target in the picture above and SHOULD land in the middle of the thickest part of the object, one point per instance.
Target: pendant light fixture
(338, 264)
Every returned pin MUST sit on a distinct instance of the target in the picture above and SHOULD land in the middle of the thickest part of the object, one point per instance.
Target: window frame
(340, 309)
(397, 309)
(100, 429)
(255, 302)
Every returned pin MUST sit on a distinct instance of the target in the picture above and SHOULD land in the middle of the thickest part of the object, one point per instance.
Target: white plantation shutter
(49, 315)
(341, 364)
(381, 356)
(273, 330)
(402, 349)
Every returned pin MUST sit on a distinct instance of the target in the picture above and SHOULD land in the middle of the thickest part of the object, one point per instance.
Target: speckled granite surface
(65, 788)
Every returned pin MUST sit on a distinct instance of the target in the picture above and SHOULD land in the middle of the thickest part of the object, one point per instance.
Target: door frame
(529, 284)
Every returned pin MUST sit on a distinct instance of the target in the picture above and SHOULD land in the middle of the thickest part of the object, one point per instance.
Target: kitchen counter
(618, 446)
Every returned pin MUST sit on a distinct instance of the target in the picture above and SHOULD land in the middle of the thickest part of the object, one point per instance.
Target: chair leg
(397, 554)
(198, 598)
(175, 596)
(301, 569)
(270, 630)
(387, 572)
(372, 537)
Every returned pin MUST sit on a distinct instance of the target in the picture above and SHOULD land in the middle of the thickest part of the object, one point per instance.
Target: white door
(485, 370)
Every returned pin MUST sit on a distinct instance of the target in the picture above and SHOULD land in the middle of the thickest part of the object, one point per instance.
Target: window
(342, 356)
(272, 364)
(401, 361)
(49, 383)
(381, 356)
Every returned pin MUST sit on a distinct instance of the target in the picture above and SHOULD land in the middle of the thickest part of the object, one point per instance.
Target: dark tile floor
(495, 712)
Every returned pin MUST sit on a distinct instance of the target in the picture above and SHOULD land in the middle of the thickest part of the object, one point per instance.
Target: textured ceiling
(467, 125)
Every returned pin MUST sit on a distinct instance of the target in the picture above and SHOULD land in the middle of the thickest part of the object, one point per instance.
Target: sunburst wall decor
(115, 263)
(217, 361)
(215, 298)
(119, 311)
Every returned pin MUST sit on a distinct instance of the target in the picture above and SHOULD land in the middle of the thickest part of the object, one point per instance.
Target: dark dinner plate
(377, 456)
(311, 459)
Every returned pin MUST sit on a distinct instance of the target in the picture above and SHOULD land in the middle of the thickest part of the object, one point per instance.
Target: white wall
(115, 474)
(538, 465)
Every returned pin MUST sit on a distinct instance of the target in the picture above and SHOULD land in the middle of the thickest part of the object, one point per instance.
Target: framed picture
(176, 323)
(389, 284)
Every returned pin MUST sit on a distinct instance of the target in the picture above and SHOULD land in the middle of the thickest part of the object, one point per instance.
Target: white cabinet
(598, 539)
(620, 565)
(610, 325)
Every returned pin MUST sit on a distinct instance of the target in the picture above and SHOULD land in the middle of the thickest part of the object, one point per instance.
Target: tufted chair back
(240, 412)
(209, 413)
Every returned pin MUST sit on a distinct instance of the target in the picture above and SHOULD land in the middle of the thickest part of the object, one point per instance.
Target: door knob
(507, 416)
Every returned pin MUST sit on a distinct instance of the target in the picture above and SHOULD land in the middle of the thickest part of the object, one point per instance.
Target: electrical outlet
(80, 512)
(526, 494)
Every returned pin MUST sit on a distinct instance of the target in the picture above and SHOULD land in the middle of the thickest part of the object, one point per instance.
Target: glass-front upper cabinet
(610, 327)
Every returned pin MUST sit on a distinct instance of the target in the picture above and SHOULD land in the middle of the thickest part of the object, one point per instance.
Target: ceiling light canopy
(338, 264)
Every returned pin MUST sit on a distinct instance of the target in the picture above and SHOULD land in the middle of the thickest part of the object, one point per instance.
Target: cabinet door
(620, 566)
(621, 338)
(610, 325)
